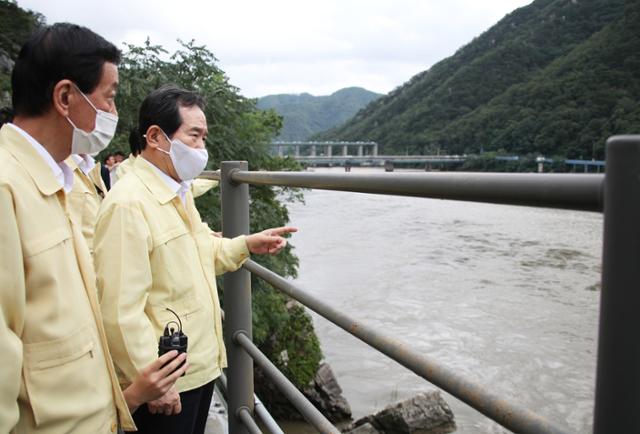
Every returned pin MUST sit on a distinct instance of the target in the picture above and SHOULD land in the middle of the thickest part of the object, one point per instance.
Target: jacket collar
(86, 178)
(96, 178)
(71, 162)
(152, 180)
(37, 168)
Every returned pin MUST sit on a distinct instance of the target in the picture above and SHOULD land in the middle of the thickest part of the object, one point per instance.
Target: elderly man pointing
(153, 253)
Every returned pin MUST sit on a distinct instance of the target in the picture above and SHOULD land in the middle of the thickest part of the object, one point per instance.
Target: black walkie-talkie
(172, 339)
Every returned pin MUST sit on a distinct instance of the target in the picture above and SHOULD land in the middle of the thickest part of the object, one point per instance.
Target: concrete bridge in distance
(347, 154)
(388, 161)
(300, 149)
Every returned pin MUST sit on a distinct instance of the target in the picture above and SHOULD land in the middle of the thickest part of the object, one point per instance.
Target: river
(506, 295)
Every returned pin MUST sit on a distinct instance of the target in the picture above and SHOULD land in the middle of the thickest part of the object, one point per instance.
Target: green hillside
(305, 115)
(555, 77)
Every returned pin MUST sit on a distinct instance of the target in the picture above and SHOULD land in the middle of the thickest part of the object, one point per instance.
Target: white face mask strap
(168, 140)
(85, 97)
(165, 135)
(71, 122)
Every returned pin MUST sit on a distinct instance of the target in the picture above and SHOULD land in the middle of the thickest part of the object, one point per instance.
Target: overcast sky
(295, 46)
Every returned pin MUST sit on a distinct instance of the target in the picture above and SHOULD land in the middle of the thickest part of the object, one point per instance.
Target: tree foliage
(16, 24)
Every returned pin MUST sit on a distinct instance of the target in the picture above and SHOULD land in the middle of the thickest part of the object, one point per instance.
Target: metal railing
(617, 194)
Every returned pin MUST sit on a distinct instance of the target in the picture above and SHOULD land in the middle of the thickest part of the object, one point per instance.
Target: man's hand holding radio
(155, 383)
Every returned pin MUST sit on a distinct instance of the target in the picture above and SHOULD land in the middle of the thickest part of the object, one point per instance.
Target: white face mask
(98, 139)
(189, 162)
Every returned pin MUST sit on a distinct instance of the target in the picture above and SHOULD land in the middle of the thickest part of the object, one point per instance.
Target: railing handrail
(565, 191)
(265, 417)
(507, 414)
(618, 373)
(306, 409)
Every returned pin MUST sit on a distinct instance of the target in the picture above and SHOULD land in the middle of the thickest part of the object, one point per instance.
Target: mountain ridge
(445, 106)
(305, 115)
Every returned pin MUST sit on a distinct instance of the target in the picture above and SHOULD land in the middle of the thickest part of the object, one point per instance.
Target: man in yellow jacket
(56, 373)
(150, 235)
(86, 195)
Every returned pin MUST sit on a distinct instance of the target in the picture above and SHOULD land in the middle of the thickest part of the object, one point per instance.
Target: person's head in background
(172, 129)
(119, 156)
(64, 83)
(109, 160)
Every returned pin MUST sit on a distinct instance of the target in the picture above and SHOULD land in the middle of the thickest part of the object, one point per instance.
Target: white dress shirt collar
(85, 162)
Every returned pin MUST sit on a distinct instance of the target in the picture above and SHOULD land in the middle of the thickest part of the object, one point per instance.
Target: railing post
(237, 298)
(618, 371)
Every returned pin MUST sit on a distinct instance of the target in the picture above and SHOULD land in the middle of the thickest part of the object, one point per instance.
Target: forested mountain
(305, 115)
(556, 77)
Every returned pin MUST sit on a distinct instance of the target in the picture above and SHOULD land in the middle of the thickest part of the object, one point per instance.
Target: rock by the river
(323, 391)
(425, 413)
(326, 394)
(366, 428)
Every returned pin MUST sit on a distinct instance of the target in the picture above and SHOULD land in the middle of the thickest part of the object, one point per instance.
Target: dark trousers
(191, 420)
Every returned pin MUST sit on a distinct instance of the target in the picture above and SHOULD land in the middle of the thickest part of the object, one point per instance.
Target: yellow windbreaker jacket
(56, 374)
(153, 253)
(124, 167)
(85, 198)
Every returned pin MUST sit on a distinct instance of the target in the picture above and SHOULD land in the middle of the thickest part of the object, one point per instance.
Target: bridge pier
(296, 149)
(329, 151)
(344, 150)
(360, 151)
(313, 150)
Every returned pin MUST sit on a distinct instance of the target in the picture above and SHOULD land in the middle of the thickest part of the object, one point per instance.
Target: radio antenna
(180, 322)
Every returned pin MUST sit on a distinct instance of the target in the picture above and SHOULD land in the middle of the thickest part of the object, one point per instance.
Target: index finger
(282, 230)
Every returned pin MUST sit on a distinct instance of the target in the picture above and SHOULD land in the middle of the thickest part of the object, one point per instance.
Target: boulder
(426, 413)
(323, 391)
(367, 428)
(326, 394)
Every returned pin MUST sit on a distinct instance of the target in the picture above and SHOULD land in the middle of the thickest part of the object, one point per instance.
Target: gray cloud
(293, 46)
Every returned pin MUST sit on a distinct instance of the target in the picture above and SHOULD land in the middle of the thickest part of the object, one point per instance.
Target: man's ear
(61, 96)
(154, 136)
